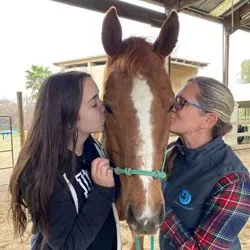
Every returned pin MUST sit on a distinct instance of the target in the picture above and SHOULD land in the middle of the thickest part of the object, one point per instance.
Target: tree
(35, 77)
(8, 108)
(245, 71)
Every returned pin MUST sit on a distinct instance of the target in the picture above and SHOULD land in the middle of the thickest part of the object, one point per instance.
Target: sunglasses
(180, 102)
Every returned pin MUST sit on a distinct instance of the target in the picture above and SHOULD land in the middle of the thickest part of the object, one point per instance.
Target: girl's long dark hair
(45, 151)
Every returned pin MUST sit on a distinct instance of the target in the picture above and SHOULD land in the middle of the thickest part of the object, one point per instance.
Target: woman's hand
(101, 172)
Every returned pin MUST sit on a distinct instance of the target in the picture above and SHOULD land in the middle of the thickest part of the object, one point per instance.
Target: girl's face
(91, 114)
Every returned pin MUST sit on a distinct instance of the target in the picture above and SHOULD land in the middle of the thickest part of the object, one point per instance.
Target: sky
(43, 32)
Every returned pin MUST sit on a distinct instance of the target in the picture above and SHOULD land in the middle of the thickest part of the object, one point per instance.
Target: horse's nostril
(162, 213)
(130, 215)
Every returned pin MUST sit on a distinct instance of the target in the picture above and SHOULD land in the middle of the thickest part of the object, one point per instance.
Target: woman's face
(190, 119)
(91, 114)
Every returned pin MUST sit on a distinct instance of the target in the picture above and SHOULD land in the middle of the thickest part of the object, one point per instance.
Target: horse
(137, 95)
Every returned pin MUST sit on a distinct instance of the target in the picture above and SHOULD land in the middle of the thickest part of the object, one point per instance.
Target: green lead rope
(129, 171)
(152, 240)
(138, 243)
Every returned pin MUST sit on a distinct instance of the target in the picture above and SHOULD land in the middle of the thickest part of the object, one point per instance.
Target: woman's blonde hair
(215, 97)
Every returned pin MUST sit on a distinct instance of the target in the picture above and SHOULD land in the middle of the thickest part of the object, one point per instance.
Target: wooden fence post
(21, 118)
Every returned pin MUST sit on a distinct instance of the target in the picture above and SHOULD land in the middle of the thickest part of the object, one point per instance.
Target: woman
(207, 191)
(59, 179)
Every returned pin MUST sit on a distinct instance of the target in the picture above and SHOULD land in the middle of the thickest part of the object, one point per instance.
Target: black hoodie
(81, 215)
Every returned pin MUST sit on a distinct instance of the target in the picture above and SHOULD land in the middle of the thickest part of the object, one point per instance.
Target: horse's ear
(167, 38)
(111, 32)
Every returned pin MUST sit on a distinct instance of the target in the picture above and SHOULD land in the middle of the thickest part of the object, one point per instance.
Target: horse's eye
(108, 109)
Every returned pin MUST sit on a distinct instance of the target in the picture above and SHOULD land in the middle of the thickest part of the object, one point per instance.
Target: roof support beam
(124, 9)
(225, 57)
(223, 7)
(237, 19)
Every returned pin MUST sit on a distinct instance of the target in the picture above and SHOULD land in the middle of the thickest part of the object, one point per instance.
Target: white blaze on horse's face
(142, 99)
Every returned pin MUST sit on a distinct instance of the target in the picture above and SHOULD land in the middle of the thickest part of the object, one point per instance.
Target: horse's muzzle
(144, 226)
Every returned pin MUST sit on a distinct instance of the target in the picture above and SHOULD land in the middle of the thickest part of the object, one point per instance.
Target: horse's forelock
(133, 57)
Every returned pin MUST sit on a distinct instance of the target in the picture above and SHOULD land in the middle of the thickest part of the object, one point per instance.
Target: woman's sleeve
(226, 212)
(69, 230)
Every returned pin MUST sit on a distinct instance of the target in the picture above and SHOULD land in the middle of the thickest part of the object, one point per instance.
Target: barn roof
(99, 60)
(234, 14)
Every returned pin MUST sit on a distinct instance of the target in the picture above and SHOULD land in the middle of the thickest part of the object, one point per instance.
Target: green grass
(5, 144)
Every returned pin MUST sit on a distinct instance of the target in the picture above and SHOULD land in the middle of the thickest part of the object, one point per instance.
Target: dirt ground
(6, 231)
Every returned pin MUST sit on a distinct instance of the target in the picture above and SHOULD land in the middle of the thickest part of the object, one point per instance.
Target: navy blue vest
(193, 176)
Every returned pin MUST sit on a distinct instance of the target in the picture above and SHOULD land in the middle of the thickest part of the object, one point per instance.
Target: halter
(157, 174)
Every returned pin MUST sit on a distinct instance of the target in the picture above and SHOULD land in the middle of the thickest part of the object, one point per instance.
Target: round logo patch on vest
(184, 197)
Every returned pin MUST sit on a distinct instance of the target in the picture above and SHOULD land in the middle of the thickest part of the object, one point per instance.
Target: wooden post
(21, 119)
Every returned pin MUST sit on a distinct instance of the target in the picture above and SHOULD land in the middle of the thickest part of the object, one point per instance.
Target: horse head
(137, 93)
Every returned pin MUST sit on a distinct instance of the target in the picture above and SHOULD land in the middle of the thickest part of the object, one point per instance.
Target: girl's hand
(101, 172)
